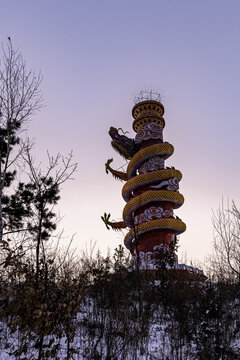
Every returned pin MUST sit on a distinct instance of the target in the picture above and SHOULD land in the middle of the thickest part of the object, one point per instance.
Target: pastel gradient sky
(94, 56)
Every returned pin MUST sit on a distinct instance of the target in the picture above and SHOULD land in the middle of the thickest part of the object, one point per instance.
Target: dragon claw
(105, 219)
(107, 165)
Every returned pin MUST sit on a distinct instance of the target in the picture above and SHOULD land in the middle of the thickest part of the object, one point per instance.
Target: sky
(95, 56)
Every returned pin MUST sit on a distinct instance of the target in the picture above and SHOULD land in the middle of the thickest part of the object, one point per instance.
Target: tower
(151, 189)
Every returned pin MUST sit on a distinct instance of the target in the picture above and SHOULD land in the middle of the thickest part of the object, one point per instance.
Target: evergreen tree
(20, 97)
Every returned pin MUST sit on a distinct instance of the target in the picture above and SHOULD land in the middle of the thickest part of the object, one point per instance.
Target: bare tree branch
(226, 243)
(20, 98)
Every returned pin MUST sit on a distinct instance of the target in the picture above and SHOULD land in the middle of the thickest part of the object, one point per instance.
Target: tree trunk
(38, 243)
(1, 219)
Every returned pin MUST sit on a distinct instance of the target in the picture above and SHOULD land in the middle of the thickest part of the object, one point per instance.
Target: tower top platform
(147, 111)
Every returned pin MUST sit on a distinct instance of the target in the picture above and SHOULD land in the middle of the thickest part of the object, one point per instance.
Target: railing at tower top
(147, 95)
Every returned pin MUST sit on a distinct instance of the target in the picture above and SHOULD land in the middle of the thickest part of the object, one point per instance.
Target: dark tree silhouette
(20, 98)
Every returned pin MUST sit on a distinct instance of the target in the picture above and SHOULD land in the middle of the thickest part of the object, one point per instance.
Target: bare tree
(41, 194)
(20, 97)
(226, 256)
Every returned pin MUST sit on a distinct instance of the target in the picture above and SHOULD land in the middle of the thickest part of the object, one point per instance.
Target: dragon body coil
(151, 189)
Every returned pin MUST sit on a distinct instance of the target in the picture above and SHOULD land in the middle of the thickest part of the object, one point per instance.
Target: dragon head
(121, 143)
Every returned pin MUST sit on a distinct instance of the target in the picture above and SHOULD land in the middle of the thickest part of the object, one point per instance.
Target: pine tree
(20, 98)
